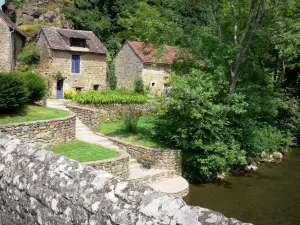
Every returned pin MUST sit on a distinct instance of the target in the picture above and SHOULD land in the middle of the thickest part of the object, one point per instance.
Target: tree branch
(235, 22)
(213, 5)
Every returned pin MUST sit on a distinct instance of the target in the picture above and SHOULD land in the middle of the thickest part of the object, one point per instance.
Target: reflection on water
(269, 196)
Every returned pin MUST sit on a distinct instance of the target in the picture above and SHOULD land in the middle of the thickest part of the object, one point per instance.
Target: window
(78, 89)
(96, 87)
(153, 83)
(75, 63)
(77, 42)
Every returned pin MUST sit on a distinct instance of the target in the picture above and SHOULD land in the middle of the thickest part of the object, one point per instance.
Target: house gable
(128, 66)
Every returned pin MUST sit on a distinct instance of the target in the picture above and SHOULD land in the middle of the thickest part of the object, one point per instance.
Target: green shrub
(130, 119)
(267, 138)
(111, 77)
(70, 94)
(13, 92)
(29, 57)
(139, 85)
(121, 96)
(36, 86)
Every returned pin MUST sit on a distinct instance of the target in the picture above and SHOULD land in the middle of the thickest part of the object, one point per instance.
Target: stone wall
(5, 44)
(128, 67)
(105, 112)
(118, 166)
(43, 133)
(169, 159)
(88, 116)
(43, 188)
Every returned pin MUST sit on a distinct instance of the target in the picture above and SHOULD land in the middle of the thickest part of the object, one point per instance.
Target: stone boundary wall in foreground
(118, 166)
(43, 188)
(160, 158)
(43, 133)
(88, 116)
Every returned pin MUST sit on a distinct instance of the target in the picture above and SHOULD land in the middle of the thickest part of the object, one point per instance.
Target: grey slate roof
(56, 38)
(10, 23)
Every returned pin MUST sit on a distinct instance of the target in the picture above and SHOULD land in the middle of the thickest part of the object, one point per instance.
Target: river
(269, 196)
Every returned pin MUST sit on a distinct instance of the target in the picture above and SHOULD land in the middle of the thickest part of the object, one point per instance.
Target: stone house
(138, 59)
(11, 42)
(71, 59)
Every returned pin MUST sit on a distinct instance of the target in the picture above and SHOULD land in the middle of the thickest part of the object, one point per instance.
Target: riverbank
(269, 195)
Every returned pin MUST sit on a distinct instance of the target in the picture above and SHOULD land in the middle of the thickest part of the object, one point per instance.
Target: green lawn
(32, 113)
(143, 136)
(83, 151)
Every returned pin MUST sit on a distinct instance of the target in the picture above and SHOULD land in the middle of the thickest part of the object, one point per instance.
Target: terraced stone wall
(44, 132)
(43, 188)
(169, 159)
(118, 166)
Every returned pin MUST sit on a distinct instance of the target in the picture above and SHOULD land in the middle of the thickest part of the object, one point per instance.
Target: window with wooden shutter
(75, 63)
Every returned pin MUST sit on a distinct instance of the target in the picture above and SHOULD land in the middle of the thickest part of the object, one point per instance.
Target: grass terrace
(121, 96)
(83, 151)
(143, 135)
(32, 113)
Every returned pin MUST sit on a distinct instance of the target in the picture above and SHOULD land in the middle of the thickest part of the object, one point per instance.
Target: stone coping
(73, 105)
(39, 121)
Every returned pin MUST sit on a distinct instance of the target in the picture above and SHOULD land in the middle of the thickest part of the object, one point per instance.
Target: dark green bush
(111, 77)
(121, 96)
(36, 86)
(13, 92)
(139, 85)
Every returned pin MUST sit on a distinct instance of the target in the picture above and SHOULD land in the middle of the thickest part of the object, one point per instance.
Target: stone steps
(159, 179)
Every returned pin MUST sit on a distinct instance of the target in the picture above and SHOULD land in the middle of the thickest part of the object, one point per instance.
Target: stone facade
(10, 45)
(41, 187)
(43, 133)
(118, 166)
(55, 63)
(168, 159)
(129, 66)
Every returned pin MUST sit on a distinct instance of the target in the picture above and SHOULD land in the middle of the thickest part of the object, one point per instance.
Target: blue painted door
(60, 89)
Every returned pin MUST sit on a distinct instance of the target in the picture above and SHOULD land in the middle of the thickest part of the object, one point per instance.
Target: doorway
(60, 88)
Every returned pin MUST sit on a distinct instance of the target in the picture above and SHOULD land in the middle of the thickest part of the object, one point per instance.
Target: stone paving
(160, 180)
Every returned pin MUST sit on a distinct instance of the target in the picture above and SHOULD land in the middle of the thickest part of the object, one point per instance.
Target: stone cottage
(11, 42)
(71, 59)
(138, 59)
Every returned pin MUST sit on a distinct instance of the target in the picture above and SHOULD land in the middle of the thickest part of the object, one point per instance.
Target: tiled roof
(10, 23)
(147, 53)
(56, 39)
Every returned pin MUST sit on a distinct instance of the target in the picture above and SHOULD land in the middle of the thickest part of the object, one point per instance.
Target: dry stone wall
(44, 132)
(105, 112)
(169, 159)
(89, 117)
(40, 187)
(118, 166)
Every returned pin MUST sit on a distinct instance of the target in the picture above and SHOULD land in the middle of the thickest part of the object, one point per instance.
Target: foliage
(83, 151)
(121, 96)
(29, 57)
(130, 119)
(13, 92)
(35, 85)
(32, 113)
(70, 94)
(111, 74)
(139, 86)
(194, 120)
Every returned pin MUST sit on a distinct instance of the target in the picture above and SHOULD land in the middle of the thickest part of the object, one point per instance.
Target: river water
(269, 196)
